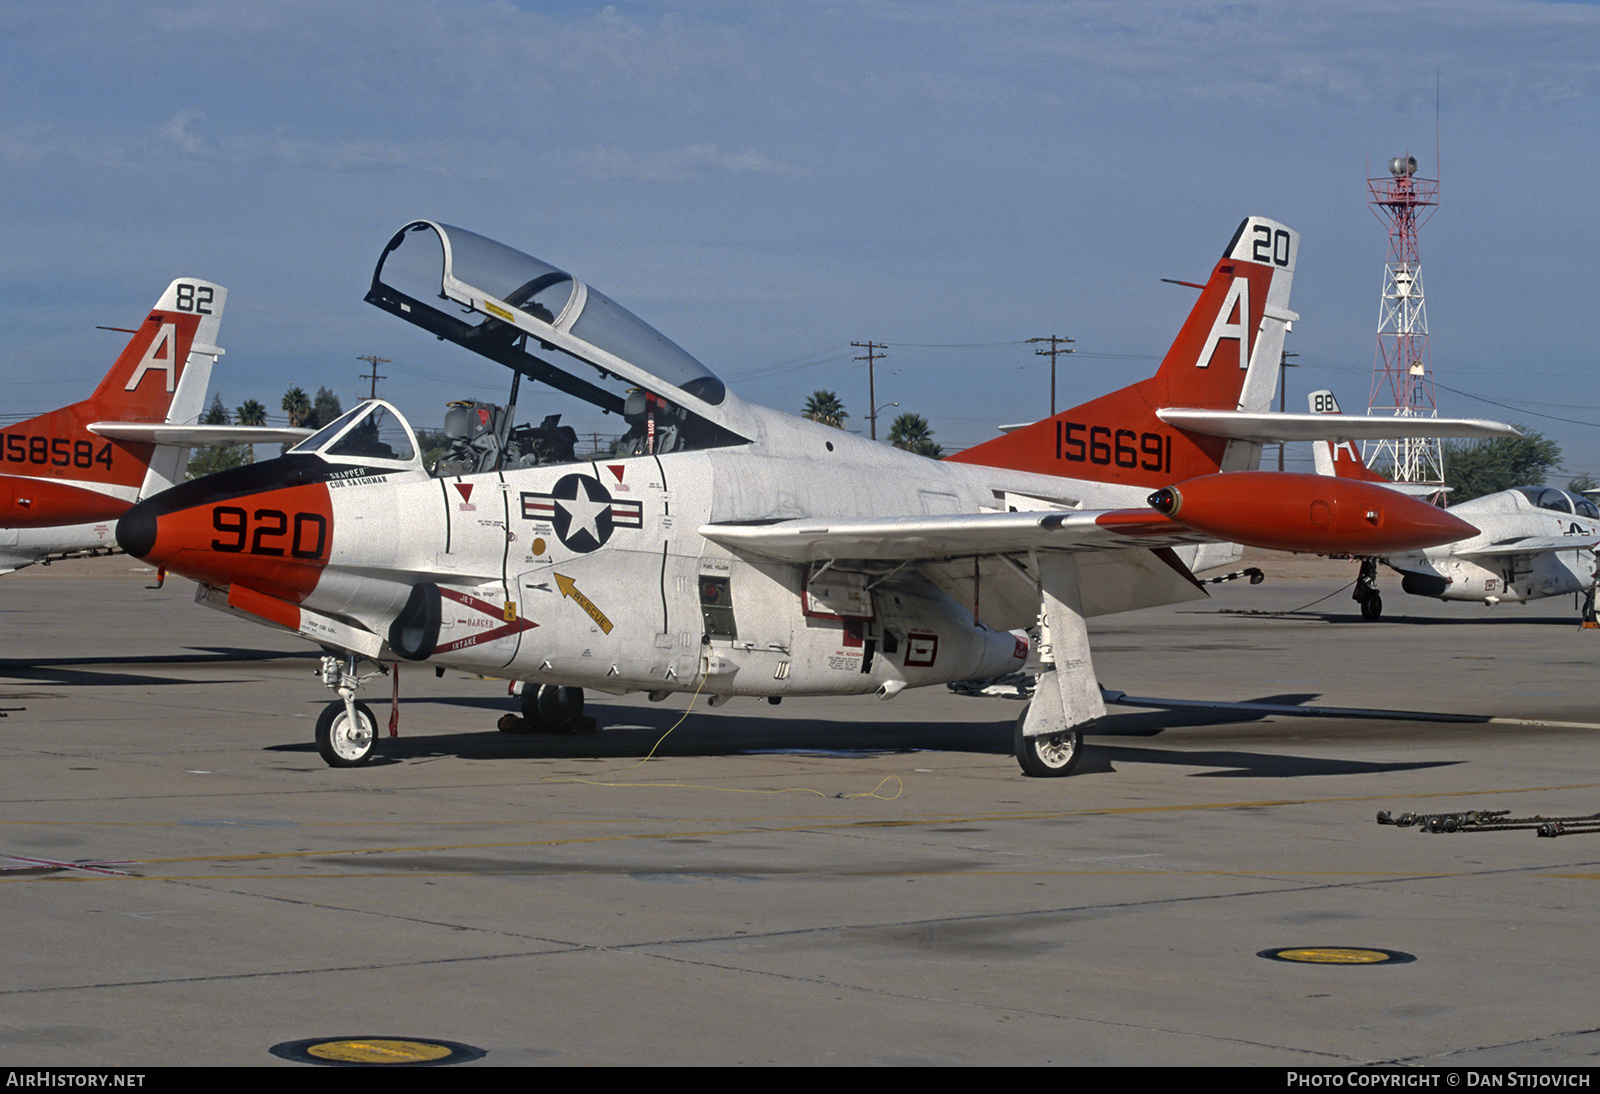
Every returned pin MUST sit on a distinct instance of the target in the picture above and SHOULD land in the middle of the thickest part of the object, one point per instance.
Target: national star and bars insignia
(582, 512)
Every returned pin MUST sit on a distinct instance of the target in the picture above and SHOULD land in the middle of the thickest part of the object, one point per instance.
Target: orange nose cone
(1315, 514)
(275, 540)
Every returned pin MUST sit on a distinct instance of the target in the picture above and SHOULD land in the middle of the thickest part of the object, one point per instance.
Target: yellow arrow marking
(569, 589)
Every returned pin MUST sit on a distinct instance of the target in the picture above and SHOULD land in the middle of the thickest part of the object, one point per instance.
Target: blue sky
(768, 182)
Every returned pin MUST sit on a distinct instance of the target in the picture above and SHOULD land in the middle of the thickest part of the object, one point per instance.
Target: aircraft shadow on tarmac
(117, 670)
(630, 733)
(1502, 615)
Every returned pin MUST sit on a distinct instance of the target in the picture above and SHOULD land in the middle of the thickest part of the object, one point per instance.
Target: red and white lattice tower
(1402, 380)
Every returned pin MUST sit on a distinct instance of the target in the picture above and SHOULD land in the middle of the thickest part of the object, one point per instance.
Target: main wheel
(1372, 608)
(559, 708)
(1050, 755)
(341, 742)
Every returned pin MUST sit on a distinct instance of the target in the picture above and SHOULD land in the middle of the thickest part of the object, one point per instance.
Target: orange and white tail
(160, 377)
(1338, 458)
(1226, 357)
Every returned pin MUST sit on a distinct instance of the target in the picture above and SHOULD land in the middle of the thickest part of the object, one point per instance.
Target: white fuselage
(1491, 568)
(609, 584)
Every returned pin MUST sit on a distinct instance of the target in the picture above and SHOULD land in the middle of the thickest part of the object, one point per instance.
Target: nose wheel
(344, 741)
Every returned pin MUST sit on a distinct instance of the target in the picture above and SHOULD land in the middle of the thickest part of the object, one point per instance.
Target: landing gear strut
(1366, 591)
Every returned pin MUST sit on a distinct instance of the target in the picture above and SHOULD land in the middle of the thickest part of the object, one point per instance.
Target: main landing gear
(1366, 591)
(548, 708)
(1050, 755)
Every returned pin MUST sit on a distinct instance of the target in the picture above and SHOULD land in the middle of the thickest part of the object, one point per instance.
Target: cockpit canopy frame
(538, 321)
(1556, 500)
(373, 434)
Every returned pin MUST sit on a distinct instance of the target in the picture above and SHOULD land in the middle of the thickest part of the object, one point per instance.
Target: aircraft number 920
(1103, 445)
(55, 452)
(262, 533)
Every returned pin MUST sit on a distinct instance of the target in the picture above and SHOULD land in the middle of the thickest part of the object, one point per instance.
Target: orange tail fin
(154, 379)
(1226, 356)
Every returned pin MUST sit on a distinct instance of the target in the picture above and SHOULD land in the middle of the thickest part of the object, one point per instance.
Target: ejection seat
(642, 411)
(472, 438)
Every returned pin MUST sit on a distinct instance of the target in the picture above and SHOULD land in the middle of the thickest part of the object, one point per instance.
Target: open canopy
(534, 319)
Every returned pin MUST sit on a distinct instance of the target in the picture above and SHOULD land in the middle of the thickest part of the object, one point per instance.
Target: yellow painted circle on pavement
(1337, 955)
(379, 1051)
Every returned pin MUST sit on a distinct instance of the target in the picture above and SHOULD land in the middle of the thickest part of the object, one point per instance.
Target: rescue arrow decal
(569, 589)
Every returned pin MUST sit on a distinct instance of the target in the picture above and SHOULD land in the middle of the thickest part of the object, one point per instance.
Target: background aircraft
(1532, 541)
(729, 549)
(65, 476)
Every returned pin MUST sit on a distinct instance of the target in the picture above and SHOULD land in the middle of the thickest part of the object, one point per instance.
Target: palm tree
(252, 413)
(912, 433)
(296, 404)
(825, 408)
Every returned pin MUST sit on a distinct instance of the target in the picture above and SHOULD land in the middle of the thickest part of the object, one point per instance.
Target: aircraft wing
(197, 436)
(1531, 545)
(1278, 428)
(980, 558)
(959, 535)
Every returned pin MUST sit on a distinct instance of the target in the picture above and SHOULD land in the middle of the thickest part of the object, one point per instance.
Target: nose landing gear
(345, 734)
(346, 729)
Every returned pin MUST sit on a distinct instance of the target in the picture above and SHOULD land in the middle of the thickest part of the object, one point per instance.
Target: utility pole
(374, 360)
(1055, 344)
(871, 359)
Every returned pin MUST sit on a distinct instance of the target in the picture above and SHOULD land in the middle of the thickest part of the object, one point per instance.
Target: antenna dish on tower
(1403, 166)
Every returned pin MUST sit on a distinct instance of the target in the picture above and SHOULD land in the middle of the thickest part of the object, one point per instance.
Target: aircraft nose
(136, 529)
(268, 526)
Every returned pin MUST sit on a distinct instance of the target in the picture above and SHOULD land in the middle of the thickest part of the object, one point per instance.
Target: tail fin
(161, 376)
(1338, 459)
(1225, 357)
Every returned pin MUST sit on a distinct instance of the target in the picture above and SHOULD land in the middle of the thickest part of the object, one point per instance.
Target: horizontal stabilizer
(1278, 428)
(197, 436)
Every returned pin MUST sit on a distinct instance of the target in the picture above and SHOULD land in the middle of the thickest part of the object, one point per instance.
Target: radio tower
(1402, 381)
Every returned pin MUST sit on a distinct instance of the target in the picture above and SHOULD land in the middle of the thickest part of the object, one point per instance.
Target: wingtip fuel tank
(1314, 514)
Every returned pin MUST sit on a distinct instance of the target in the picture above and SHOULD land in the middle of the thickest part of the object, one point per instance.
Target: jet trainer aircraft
(1532, 542)
(729, 549)
(66, 476)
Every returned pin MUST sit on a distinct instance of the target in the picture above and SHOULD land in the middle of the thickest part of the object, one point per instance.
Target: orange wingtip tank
(42, 503)
(1315, 514)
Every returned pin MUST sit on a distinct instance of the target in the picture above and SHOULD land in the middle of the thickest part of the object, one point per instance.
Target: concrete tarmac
(824, 882)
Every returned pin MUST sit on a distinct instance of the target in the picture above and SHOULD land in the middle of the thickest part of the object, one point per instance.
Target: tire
(1050, 755)
(559, 708)
(1372, 608)
(338, 742)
